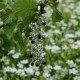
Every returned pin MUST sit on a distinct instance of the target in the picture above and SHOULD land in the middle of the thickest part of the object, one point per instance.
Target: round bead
(34, 49)
(44, 23)
(30, 38)
(30, 29)
(39, 36)
(32, 64)
(30, 55)
(43, 62)
(32, 41)
(37, 65)
(33, 24)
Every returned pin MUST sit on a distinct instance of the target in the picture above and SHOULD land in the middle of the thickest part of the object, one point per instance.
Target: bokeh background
(61, 45)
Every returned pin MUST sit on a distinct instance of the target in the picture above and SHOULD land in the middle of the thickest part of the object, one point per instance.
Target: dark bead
(30, 29)
(33, 24)
(55, 0)
(39, 36)
(44, 23)
(32, 64)
(41, 6)
(31, 55)
(43, 62)
(32, 41)
(34, 49)
(37, 65)
(30, 38)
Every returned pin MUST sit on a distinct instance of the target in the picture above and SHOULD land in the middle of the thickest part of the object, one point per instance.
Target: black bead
(30, 38)
(32, 41)
(33, 24)
(30, 29)
(31, 55)
(43, 62)
(41, 6)
(37, 65)
(34, 49)
(32, 64)
(39, 36)
(44, 23)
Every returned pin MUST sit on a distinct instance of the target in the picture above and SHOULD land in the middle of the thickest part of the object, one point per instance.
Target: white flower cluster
(62, 47)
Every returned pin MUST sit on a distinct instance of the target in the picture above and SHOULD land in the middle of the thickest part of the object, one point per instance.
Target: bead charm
(36, 38)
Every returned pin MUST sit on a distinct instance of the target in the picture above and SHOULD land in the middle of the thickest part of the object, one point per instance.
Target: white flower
(37, 73)
(73, 71)
(48, 47)
(68, 1)
(20, 65)
(57, 67)
(16, 55)
(77, 43)
(76, 78)
(49, 11)
(50, 33)
(11, 51)
(24, 61)
(65, 47)
(57, 31)
(21, 72)
(34, 79)
(74, 22)
(73, 46)
(71, 6)
(67, 10)
(69, 36)
(9, 69)
(55, 49)
(1, 23)
(77, 33)
(77, 10)
(47, 68)
(23, 34)
(1, 78)
(53, 26)
(77, 60)
(30, 71)
(4, 58)
(73, 16)
(46, 74)
(71, 63)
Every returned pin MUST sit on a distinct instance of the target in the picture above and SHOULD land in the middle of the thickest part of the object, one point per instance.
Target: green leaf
(56, 15)
(10, 18)
(2, 5)
(24, 9)
(19, 40)
(6, 43)
(9, 30)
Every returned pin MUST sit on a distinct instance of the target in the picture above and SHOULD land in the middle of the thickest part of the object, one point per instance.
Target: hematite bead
(31, 55)
(32, 41)
(41, 5)
(34, 49)
(43, 62)
(30, 29)
(30, 38)
(37, 64)
(33, 24)
(44, 23)
(32, 64)
(39, 36)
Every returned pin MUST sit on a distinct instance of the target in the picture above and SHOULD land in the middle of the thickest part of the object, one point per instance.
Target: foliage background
(61, 44)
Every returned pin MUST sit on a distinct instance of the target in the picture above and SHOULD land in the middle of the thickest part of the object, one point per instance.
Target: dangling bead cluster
(36, 38)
